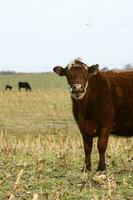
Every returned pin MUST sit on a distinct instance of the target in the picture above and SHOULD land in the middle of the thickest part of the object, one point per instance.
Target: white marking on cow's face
(71, 64)
(78, 95)
(74, 64)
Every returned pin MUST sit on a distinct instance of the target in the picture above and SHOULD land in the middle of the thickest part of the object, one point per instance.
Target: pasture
(41, 150)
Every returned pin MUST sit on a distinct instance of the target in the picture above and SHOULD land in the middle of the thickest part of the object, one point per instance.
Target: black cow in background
(24, 85)
(8, 87)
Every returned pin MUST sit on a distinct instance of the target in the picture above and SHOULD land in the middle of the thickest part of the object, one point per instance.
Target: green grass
(51, 164)
(40, 81)
(41, 150)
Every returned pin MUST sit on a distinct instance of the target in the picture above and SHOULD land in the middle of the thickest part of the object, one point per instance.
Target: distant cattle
(24, 85)
(8, 87)
(102, 103)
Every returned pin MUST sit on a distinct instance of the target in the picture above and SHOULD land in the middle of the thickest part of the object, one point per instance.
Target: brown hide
(122, 98)
(108, 100)
(102, 104)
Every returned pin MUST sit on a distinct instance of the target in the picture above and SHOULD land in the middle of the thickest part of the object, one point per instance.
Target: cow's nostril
(77, 87)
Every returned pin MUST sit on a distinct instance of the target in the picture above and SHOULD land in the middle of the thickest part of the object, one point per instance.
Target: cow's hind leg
(88, 143)
(102, 145)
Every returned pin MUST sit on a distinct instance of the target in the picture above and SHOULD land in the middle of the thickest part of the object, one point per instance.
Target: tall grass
(35, 111)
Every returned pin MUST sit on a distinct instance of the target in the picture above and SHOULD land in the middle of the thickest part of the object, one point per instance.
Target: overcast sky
(36, 35)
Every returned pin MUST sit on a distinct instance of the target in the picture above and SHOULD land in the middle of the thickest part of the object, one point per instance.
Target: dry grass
(30, 112)
(41, 152)
(48, 167)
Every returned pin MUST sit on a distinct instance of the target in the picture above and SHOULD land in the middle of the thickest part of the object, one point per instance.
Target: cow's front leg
(88, 143)
(102, 145)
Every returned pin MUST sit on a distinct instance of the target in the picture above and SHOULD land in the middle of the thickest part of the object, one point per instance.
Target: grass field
(39, 81)
(41, 151)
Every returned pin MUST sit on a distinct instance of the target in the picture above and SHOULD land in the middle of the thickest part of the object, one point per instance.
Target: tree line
(126, 67)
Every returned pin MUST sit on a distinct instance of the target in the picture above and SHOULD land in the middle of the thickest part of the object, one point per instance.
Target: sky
(36, 35)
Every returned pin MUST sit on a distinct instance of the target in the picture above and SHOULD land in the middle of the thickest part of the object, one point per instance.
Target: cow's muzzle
(78, 91)
(77, 88)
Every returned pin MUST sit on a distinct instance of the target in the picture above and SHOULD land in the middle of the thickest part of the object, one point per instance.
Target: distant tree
(6, 72)
(104, 69)
(128, 67)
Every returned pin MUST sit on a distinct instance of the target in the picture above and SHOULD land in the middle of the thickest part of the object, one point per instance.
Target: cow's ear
(92, 70)
(59, 70)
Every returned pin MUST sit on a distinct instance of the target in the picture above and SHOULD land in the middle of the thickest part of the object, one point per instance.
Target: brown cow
(102, 104)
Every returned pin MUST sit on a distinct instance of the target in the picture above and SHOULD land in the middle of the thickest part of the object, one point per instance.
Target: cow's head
(77, 74)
